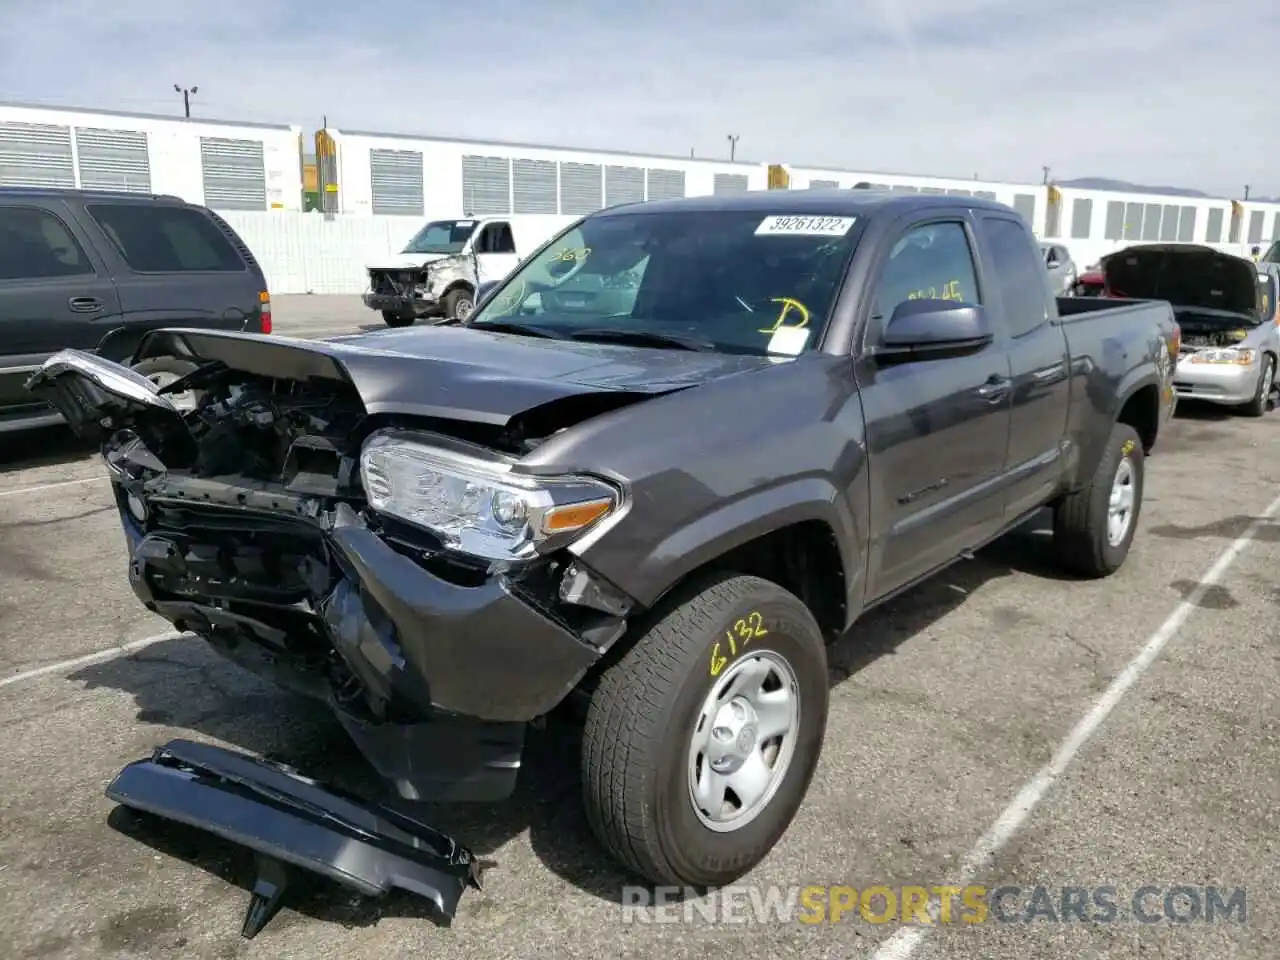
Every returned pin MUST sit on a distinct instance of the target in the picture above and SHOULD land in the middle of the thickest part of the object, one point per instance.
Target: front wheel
(393, 319)
(458, 304)
(1257, 407)
(1093, 527)
(701, 741)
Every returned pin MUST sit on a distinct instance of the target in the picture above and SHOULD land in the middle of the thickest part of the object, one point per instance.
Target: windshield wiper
(511, 326)
(643, 338)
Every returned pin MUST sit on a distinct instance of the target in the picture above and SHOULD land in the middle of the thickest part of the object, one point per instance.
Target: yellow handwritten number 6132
(736, 638)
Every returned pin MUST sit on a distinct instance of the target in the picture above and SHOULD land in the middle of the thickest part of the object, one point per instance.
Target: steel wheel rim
(743, 741)
(184, 401)
(1123, 498)
(1268, 377)
(463, 309)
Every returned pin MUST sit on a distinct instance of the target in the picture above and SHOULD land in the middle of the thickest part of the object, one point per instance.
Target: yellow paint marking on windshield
(788, 305)
(510, 299)
(571, 254)
(950, 291)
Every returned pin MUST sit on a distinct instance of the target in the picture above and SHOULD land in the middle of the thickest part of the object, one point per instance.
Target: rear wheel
(162, 371)
(1262, 396)
(393, 319)
(1093, 527)
(700, 742)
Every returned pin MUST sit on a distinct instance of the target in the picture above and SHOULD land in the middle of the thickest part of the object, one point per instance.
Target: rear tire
(1086, 523)
(1257, 407)
(393, 319)
(648, 736)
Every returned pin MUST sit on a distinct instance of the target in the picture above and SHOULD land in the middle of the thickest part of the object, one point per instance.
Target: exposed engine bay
(238, 514)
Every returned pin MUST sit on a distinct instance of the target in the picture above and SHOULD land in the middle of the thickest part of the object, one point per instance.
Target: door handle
(84, 304)
(995, 389)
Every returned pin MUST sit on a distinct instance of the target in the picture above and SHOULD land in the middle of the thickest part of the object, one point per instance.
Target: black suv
(97, 269)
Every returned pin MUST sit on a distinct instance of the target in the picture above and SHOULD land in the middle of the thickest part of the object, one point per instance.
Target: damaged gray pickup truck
(663, 464)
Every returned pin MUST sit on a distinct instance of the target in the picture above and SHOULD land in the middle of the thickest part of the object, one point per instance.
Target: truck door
(1038, 358)
(55, 292)
(937, 430)
(495, 248)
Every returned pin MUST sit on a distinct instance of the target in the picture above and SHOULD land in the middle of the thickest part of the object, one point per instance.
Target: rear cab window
(35, 244)
(1015, 274)
(159, 238)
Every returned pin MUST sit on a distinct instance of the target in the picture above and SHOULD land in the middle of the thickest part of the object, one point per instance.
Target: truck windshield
(441, 236)
(735, 281)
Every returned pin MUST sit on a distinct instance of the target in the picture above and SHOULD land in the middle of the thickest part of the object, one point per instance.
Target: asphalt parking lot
(946, 705)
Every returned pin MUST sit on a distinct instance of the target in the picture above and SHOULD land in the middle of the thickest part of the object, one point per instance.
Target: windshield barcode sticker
(796, 226)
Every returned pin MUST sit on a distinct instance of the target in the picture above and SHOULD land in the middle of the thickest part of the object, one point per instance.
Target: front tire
(1257, 407)
(1093, 528)
(393, 319)
(458, 304)
(701, 741)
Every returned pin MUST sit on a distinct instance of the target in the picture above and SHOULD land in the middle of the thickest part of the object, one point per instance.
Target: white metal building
(227, 166)
(388, 184)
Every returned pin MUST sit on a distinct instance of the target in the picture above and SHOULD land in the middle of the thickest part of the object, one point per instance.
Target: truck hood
(1191, 278)
(443, 372)
(406, 261)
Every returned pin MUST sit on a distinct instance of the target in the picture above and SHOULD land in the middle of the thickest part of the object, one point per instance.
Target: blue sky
(1178, 92)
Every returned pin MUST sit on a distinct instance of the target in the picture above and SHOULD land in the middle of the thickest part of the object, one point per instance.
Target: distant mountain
(1123, 186)
(1102, 183)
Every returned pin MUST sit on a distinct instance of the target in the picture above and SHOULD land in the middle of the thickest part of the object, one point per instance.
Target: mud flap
(290, 821)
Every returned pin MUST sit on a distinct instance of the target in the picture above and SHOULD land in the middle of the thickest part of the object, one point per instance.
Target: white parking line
(48, 486)
(904, 941)
(109, 654)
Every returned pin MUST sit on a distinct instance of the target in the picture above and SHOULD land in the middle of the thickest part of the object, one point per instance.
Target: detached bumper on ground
(292, 822)
(435, 681)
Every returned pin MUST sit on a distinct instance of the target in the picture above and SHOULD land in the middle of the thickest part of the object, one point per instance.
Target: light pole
(1246, 191)
(186, 98)
(1046, 174)
(733, 146)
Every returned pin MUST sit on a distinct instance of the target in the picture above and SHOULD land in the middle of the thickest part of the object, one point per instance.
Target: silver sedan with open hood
(1226, 308)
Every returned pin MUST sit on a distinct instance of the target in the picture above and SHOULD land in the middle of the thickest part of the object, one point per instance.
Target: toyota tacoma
(664, 463)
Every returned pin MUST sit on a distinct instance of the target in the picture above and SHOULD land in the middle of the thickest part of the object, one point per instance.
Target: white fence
(305, 253)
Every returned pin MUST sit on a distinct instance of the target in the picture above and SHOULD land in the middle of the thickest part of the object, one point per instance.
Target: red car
(1089, 284)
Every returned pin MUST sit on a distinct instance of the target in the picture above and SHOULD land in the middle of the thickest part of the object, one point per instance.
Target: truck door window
(36, 245)
(1024, 292)
(931, 262)
(165, 239)
(496, 238)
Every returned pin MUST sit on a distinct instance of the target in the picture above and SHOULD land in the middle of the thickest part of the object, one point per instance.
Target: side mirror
(933, 329)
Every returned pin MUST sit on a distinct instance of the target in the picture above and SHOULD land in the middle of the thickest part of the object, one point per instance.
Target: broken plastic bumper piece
(290, 821)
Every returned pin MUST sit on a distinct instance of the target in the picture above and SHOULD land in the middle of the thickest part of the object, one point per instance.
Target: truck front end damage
(418, 290)
(408, 574)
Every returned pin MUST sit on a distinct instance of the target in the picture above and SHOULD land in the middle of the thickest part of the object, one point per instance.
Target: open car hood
(1189, 277)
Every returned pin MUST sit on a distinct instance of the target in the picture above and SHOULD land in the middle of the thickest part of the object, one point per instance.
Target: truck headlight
(475, 506)
(1240, 356)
